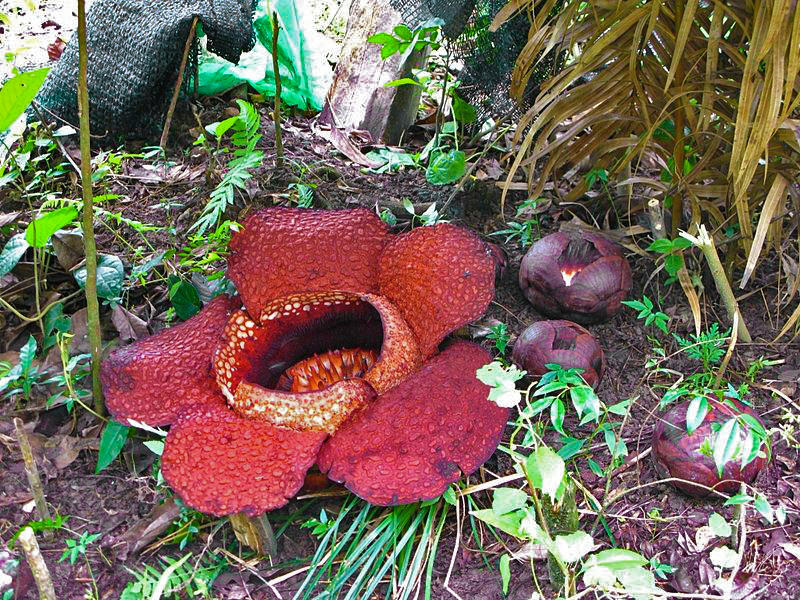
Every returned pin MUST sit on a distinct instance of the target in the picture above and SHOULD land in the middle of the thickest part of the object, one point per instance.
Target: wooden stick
(656, 219)
(178, 83)
(34, 481)
(256, 533)
(276, 113)
(27, 539)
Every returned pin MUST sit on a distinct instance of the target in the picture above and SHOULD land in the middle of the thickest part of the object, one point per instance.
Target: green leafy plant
(174, 578)
(707, 347)
(430, 216)
(403, 39)
(672, 253)
(244, 128)
(78, 547)
(646, 312)
(500, 336)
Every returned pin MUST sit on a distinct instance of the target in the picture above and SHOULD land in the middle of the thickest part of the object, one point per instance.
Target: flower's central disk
(319, 371)
(298, 367)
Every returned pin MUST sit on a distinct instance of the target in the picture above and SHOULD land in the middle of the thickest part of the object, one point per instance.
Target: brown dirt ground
(110, 503)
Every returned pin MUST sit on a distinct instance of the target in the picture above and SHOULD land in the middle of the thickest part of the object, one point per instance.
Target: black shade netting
(135, 49)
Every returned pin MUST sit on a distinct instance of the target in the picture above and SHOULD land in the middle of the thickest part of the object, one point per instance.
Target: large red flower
(330, 355)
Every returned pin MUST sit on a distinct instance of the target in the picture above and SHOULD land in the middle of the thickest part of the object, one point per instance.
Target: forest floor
(657, 521)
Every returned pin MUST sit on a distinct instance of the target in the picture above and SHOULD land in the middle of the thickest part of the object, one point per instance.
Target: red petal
(421, 435)
(220, 463)
(440, 277)
(154, 379)
(281, 251)
(399, 355)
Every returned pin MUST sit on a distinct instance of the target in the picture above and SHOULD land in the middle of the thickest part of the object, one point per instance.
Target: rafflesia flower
(579, 276)
(677, 453)
(330, 355)
(562, 343)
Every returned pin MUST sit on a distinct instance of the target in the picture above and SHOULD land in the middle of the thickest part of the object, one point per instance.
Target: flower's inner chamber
(306, 342)
(578, 254)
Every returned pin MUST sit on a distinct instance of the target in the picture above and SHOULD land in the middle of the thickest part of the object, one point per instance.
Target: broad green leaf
(719, 525)
(508, 522)
(40, 230)
(723, 557)
(17, 94)
(660, 246)
(545, 470)
(616, 559)
(673, 263)
(450, 496)
(602, 577)
(585, 400)
(380, 38)
(27, 353)
(446, 167)
(508, 499)
(696, 413)
(13, 250)
(155, 446)
(304, 69)
(402, 81)
(571, 447)
(389, 48)
(574, 546)
(184, 298)
(463, 111)
(110, 273)
(761, 504)
(557, 413)
(111, 443)
(505, 572)
(737, 499)
(403, 32)
(726, 444)
(639, 582)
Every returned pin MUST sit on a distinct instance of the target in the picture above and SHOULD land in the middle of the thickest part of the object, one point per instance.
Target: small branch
(276, 113)
(34, 481)
(178, 83)
(27, 539)
(656, 215)
(89, 246)
(706, 245)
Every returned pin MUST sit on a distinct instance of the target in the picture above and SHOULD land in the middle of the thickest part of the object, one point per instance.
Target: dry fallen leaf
(129, 326)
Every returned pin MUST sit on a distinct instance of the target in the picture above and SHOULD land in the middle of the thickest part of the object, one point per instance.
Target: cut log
(357, 98)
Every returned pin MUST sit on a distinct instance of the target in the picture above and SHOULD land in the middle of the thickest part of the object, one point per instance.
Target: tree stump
(357, 98)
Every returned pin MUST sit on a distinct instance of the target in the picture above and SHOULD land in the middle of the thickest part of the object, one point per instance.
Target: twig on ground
(34, 481)
(276, 114)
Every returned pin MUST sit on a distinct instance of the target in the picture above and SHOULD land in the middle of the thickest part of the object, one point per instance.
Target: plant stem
(706, 245)
(27, 539)
(89, 246)
(34, 481)
(276, 113)
(678, 153)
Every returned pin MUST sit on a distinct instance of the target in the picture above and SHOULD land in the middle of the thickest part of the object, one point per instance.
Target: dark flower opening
(352, 325)
(578, 254)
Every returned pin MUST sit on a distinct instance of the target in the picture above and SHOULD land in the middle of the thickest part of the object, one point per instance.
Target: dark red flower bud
(579, 276)
(676, 453)
(499, 257)
(559, 342)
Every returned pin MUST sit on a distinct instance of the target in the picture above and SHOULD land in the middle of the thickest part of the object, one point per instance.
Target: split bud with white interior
(580, 276)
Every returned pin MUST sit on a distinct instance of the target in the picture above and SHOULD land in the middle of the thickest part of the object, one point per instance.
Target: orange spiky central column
(322, 370)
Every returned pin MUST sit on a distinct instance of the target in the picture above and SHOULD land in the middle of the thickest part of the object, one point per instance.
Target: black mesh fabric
(135, 50)
(488, 58)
